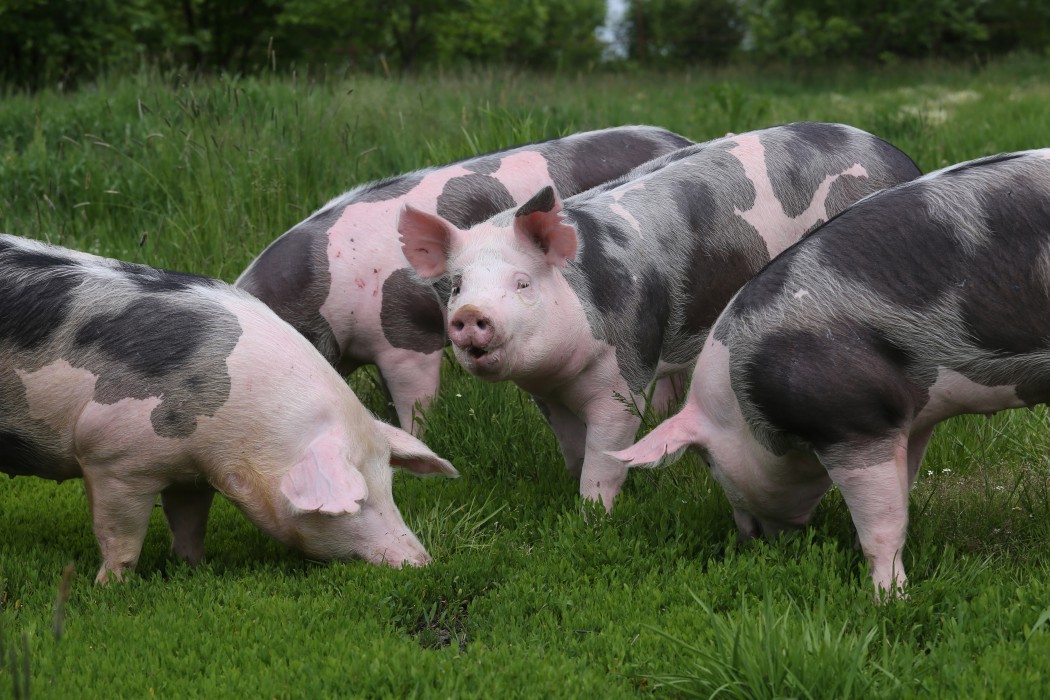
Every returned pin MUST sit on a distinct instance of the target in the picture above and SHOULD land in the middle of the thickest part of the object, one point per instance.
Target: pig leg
(120, 511)
(186, 509)
(610, 427)
(747, 525)
(877, 497)
(570, 431)
(668, 393)
(412, 378)
(917, 443)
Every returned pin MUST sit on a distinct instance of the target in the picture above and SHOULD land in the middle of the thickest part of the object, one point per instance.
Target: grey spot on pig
(158, 347)
(598, 158)
(381, 191)
(807, 156)
(293, 279)
(628, 303)
(151, 279)
(33, 308)
(470, 199)
(727, 250)
(484, 165)
(541, 201)
(799, 381)
(411, 316)
(19, 456)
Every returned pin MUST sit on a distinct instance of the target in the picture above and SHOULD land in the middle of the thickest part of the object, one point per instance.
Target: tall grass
(526, 596)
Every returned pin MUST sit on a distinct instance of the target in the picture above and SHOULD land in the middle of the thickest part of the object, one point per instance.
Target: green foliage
(1017, 24)
(58, 44)
(535, 33)
(811, 30)
(48, 42)
(769, 654)
(681, 32)
(531, 593)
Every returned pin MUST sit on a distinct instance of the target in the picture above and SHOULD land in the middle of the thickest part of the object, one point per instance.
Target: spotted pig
(584, 304)
(340, 279)
(835, 363)
(147, 382)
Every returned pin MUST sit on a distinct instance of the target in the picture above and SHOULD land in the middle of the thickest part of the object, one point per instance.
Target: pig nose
(413, 555)
(470, 326)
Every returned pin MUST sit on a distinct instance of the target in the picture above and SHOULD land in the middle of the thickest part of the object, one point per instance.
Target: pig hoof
(103, 577)
(885, 596)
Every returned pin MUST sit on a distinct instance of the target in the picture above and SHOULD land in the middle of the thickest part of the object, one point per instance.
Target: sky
(613, 14)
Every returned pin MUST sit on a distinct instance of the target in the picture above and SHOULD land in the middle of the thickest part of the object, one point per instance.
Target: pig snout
(402, 550)
(471, 329)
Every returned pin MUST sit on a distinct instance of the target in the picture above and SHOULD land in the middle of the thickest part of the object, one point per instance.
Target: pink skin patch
(953, 394)
(767, 214)
(620, 210)
(57, 393)
(360, 258)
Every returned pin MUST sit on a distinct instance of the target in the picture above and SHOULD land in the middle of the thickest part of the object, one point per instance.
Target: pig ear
(541, 222)
(409, 453)
(324, 482)
(425, 240)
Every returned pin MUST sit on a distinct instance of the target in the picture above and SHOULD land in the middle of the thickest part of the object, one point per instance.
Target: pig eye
(523, 284)
(455, 285)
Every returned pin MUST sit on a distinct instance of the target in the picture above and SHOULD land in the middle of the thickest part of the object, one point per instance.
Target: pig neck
(586, 371)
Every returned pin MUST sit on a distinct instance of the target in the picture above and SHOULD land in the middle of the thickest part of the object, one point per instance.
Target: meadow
(526, 596)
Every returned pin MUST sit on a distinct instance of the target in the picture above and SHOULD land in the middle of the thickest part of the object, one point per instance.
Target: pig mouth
(481, 360)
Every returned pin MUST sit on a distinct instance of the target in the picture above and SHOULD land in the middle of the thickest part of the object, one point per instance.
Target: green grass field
(526, 597)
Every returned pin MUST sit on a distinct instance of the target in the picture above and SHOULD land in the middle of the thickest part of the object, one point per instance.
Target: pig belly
(22, 455)
(953, 394)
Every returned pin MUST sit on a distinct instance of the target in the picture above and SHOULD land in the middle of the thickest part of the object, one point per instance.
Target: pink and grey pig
(586, 303)
(340, 279)
(147, 382)
(834, 364)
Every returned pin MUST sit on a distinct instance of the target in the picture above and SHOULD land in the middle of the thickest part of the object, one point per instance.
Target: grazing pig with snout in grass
(340, 279)
(147, 382)
(835, 363)
(586, 303)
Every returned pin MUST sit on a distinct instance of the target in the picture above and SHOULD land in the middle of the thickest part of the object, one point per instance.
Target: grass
(527, 596)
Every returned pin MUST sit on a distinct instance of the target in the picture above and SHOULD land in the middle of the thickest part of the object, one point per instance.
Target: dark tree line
(690, 31)
(57, 42)
(48, 42)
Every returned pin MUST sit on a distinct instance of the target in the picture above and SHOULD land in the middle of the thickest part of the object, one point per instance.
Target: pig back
(663, 252)
(77, 328)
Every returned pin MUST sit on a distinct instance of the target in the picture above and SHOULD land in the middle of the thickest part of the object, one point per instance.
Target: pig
(340, 279)
(834, 364)
(146, 382)
(583, 304)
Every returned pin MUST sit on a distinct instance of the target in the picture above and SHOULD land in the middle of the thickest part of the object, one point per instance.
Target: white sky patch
(614, 14)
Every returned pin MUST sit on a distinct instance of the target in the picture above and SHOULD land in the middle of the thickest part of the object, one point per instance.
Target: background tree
(681, 31)
(862, 29)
